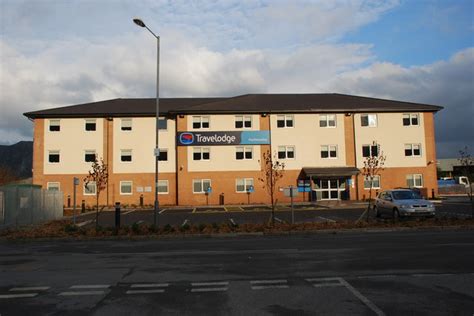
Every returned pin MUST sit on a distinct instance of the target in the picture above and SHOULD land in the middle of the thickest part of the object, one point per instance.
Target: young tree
(272, 173)
(467, 163)
(98, 175)
(372, 167)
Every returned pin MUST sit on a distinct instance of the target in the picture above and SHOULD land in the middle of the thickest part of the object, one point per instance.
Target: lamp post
(140, 23)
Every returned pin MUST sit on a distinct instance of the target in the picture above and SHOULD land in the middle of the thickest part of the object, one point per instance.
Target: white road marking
(267, 281)
(150, 285)
(139, 222)
(162, 210)
(327, 284)
(327, 219)
(31, 288)
(84, 223)
(144, 291)
(18, 295)
(185, 222)
(128, 212)
(274, 286)
(364, 299)
(209, 283)
(90, 286)
(80, 293)
(321, 279)
(210, 289)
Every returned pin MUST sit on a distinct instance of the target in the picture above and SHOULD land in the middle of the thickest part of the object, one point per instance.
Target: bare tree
(372, 167)
(467, 162)
(272, 173)
(98, 175)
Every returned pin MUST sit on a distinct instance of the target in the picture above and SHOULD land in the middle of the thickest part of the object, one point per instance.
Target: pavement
(396, 273)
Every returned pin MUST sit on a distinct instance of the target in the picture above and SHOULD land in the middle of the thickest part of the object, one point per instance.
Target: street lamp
(140, 23)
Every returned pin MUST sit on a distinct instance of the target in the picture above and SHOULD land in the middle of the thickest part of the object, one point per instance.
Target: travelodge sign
(223, 138)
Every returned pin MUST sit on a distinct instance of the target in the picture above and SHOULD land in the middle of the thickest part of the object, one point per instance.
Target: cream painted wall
(392, 136)
(141, 140)
(308, 137)
(223, 159)
(72, 141)
(223, 123)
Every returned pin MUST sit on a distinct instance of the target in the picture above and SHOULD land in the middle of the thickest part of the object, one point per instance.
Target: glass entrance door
(329, 189)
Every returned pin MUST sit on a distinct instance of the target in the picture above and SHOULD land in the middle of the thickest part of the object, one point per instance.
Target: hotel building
(211, 149)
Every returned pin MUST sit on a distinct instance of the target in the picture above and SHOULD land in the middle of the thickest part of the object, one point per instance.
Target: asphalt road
(458, 207)
(391, 273)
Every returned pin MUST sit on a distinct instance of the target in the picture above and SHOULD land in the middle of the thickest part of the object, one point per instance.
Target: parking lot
(455, 207)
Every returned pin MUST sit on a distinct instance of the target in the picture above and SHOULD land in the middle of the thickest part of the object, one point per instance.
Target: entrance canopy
(330, 172)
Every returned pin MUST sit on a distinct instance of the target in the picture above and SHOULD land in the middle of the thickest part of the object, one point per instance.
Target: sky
(56, 53)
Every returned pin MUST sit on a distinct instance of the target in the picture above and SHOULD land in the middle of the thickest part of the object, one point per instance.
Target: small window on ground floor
(89, 188)
(163, 187)
(375, 182)
(53, 186)
(414, 180)
(126, 187)
(243, 185)
(201, 185)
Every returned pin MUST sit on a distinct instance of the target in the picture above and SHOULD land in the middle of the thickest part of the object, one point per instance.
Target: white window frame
(411, 147)
(201, 119)
(160, 182)
(410, 117)
(413, 177)
(285, 118)
(50, 124)
(244, 119)
(286, 152)
(201, 151)
(373, 187)
(202, 181)
(326, 118)
(122, 125)
(58, 152)
(123, 152)
(164, 150)
(90, 121)
(370, 122)
(88, 152)
(370, 149)
(244, 150)
(247, 182)
(91, 183)
(49, 185)
(131, 187)
(329, 151)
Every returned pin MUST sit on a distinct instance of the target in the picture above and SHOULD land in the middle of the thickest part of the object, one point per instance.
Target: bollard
(117, 215)
(141, 200)
(69, 200)
(432, 194)
(83, 206)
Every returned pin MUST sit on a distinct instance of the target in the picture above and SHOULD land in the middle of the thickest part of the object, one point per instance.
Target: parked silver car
(402, 203)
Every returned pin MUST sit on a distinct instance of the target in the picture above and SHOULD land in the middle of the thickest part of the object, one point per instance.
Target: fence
(24, 205)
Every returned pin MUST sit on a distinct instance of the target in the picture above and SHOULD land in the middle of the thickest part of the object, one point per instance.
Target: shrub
(70, 228)
(135, 228)
(184, 228)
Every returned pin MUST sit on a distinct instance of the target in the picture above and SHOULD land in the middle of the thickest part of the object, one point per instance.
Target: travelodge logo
(186, 138)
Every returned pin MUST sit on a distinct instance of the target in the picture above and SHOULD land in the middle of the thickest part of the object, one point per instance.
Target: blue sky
(56, 53)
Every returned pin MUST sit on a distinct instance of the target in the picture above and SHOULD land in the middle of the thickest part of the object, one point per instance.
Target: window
(90, 125)
(286, 152)
(162, 186)
(54, 126)
(243, 121)
(89, 156)
(375, 183)
(126, 155)
(126, 187)
(90, 188)
(243, 185)
(410, 119)
(126, 124)
(163, 123)
(201, 185)
(327, 120)
(285, 121)
(414, 180)
(53, 186)
(369, 120)
(200, 122)
(370, 150)
(201, 153)
(329, 151)
(163, 155)
(412, 150)
(53, 156)
(242, 153)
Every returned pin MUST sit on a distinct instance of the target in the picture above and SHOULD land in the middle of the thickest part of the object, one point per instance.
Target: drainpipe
(355, 156)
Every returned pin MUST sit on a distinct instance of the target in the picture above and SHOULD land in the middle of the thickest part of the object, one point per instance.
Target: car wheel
(396, 214)
(376, 211)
